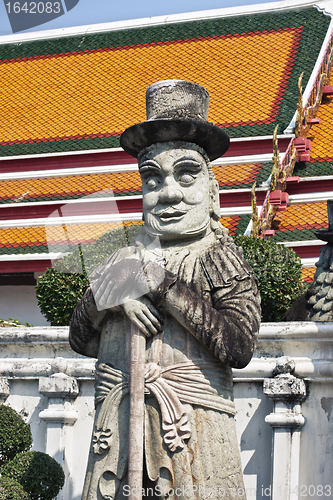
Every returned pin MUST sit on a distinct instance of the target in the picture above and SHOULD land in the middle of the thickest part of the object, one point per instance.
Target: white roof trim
(67, 172)
(166, 19)
(122, 168)
(31, 256)
(317, 178)
(60, 153)
(77, 219)
(309, 261)
(305, 243)
(229, 211)
(84, 199)
(295, 199)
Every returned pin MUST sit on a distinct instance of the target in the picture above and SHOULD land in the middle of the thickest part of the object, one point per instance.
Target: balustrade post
(4, 389)
(287, 392)
(61, 390)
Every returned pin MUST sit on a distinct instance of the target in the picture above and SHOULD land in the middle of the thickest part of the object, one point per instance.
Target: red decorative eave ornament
(279, 200)
(327, 90)
(303, 147)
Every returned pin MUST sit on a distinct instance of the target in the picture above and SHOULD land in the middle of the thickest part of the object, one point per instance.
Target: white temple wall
(20, 302)
(52, 388)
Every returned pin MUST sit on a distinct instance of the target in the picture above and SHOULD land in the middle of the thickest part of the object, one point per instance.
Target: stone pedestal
(287, 393)
(59, 416)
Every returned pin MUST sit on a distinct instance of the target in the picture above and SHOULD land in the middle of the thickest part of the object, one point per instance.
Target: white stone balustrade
(44, 374)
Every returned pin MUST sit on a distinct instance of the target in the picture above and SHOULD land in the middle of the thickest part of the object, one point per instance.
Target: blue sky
(99, 11)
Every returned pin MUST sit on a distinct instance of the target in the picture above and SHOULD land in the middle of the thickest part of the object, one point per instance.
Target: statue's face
(175, 188)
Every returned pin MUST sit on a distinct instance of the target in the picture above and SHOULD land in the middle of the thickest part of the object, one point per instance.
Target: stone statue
(316, 304)
(186, 286)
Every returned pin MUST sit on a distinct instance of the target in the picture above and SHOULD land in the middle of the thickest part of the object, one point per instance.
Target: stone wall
(284, 402)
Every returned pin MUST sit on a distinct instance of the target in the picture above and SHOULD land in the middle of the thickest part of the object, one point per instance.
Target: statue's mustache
(171, 211)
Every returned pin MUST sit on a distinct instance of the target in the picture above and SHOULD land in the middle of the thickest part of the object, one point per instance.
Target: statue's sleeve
(228, 326)
(85, 326)
(86, 323)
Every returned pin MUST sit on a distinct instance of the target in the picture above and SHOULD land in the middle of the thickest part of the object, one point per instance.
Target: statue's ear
(215, 200)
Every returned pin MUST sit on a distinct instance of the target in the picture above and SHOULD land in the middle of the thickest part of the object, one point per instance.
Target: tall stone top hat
(327, 234)
(176, 111)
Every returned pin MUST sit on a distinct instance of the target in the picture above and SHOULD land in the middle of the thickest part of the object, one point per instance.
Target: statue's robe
(190, 437)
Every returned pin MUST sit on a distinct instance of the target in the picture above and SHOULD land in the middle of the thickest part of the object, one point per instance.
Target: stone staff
(137, 401)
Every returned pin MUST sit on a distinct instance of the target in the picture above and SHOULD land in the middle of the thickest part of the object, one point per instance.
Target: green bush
(12, 490)
(58, 293)
(39, 474)
(278, 270)
(61, 287)
(15, 434)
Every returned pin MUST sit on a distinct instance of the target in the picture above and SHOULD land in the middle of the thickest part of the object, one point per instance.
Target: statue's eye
(186, 179)
(151, 183)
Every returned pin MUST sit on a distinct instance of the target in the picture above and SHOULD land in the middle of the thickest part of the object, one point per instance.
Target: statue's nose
(170, 194)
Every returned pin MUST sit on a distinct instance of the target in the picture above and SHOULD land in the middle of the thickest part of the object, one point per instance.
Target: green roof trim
(295, 235)
(24, 250)
(315, 169)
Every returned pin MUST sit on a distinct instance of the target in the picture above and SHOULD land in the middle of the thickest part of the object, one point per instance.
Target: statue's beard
(153, 228)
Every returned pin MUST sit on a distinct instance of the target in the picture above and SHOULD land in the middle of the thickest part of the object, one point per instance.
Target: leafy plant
(38, 473)
(61, 287)
(12, 490)
(15, 434)
(13, 322)
(279, 273)
(58, 294)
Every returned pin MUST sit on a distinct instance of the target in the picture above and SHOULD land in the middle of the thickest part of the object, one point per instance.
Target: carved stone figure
(186, 286)
(316, 304)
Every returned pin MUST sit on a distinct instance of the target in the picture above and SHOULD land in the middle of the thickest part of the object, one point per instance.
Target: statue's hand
(115, 283)
(144, 315)
(131, 278)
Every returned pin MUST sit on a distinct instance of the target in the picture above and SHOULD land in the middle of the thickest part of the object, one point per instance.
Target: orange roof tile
(308, 274)
(302, 216)
(52, 236)
(106, 83)
(233, 175)
(69, 186)
(322, 146)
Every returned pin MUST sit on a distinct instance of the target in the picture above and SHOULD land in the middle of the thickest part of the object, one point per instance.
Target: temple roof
(80, 92)
(66, 98)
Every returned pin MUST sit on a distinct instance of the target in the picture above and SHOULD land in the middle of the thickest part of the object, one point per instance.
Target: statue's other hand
(144, 315)
(115, 283)
(155, 280)
(131, 278)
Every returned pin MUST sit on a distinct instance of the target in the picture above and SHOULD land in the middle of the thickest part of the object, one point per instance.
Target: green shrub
(61, 287)
(278, 270)
(15, 434)
(58, 293)
(12, 490)
(39, 474)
